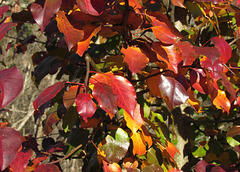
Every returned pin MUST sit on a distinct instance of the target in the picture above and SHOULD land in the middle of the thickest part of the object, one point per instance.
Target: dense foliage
(141, 95)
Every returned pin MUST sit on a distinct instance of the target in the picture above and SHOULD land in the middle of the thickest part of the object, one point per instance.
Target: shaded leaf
(135, 59)
(153, 85)
(114, 167)
(10, 143)
(116, 149)
(48, 94)
(47, 167)
(85, 106)
(95, 7)
(146, 135)
(70, 95)
(198, 79)
(153, 168)
(171, 89)
(4, 28)
(3, 9)
(19, 164)
(50, 121)
(152, 157)
(72, 35)
(42, 16)
(234, 131)
(201, 166)
(221, 101)
(92, 122)
(139, 146)
(224, 48)
(70, 118)
(11, 84)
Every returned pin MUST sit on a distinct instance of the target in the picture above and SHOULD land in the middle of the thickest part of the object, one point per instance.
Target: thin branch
(87, 58)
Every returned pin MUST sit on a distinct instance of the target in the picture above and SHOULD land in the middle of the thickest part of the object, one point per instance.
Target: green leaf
(152, 157)
(200, 152)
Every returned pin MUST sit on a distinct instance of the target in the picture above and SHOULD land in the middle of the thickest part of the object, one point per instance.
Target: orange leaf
(92, 122)
(235, 130)
(114, 167)
(139, 146)
(135, 59)
(193, 101)
(72, 35)
(146, 136)
(179, 3)
(70, 95)
(221, 101)
(153, 85)
(83, 46)
(135, 122)
(172, 150)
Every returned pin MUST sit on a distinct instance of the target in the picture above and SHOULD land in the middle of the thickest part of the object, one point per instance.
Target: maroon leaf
(10, 143)
(224, 48)
(19, 164)
(3, 10)
(4, 28)
(42, 16)
(11, 84)
(48, 94)
(212, 53)
(93, 7)
(201, 166)
(198, 80)
(171, 89)
(47, 167)
(85, 106)
(51, 119)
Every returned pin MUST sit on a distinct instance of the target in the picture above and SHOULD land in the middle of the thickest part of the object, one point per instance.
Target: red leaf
(51, 119)
(72, 35)
(83, 46)
(174, 170)
(198, 79)
(3, 10)
(111, 91)
(135, 59)
(85, 106)
(10, 142)
(19, 164)
(114, 167)
(48, 94)
(103, 93)
(42, 16)
(179, 3)
(212, 53)
(201, 166)
(171, 89)
(188, 53)
(171, 149)
(164, 34)
(4, 28)
(11, 84)
(224, 48)
(93, 7)
(47, 167)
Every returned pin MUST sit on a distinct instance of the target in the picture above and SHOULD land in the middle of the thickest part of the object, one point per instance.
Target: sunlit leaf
(43, 15)
(85, 106)
(4, 28)
(134, 122)
(153, 168)
(212, 53)
(164, 34)
(171, 148)
(139, 146)
(146, 135)
(198, 79)
(95, 7)
(19, 164)
(11, 84)
(173, 90)
(193, 101)
(114, 167)
(70, 95)
(135, 59)
(10, 142)
(152, 157)
(48, 94)
(153, 85)
(72, 35)
(179, 3)
(116, 149)
(201, 166)
(221, 101)
(224, 48)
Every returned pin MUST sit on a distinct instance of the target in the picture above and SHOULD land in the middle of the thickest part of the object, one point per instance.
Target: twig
(87, 58)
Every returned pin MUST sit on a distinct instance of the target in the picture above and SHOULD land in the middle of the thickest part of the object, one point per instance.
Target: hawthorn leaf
(85, 106)
(234, 131)
(224, 48)
(43, 15)
(83, 45)
(47, 167)
(134, 122)
(72, 35)
(221, 101)
(139, 146)
(171, 149)
(48, 94)
(116, 149)
(10, 143)
(95, 7)
(11, 84)
(5, 27)
(173, 90)
(19, 164)
(135, 59)
(114, 167)
(3, 9)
